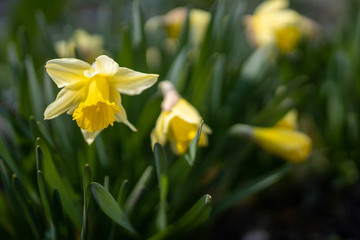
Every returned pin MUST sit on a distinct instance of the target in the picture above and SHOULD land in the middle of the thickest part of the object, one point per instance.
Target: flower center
(97, 111)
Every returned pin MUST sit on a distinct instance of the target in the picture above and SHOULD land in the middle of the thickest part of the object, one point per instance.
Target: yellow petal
(105, 66)
(271, 6)
(187, 112)
(131, 82)
(159, 133)
(66, 70)
(289, 121)
(66, 100)
(89, 136)
(290, 145)
(121, 115)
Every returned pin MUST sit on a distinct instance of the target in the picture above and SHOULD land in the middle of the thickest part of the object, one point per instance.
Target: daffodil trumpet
(282, 140)
(91, 93)
(178, 122)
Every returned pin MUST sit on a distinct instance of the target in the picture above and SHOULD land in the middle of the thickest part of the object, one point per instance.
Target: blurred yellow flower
(91, 94)
(274, 24)
(178, 122)
(65, 48)
(290, 145)
(282, 140)
(87, 46)
(173, 22)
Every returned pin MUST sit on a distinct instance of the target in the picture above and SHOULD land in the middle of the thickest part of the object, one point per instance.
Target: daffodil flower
(91, 94)
(283, 139)
(174, 21)
(178, 122)
(87, 46)
(274, 24)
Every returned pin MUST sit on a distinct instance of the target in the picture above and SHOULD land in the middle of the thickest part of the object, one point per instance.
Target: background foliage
(55, 186)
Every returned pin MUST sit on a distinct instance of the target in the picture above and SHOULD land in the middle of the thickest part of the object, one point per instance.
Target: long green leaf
(86, 197)
(55, 180)
(251, 188)
(110, 207)
(161, 170)
(194, 217)
(190, 154)
(45, 199)
(138, 189)
(35, 89)
(26, 210)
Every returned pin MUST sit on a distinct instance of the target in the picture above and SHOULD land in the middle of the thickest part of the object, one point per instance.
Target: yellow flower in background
(290, 145)
(282, 140)
(174, 21)
(65, 48)
(88, 46)
(274, 24)
(178, 122)
(91, 94)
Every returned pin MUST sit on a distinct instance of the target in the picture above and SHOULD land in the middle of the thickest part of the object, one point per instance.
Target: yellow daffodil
(274, 24)
(91, 93)
(178, 122)
(290, 145)
(65, 48)
(88, 46)
(282, 139)
(173, 22)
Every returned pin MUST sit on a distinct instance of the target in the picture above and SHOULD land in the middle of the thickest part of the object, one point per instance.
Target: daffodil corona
(178, 122)
(91, 94)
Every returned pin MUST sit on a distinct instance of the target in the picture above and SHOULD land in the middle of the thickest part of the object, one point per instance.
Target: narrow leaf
(251, 188)
(110, 207)
(86, 198)
(138, 189)
(161, 170)
(190, 155)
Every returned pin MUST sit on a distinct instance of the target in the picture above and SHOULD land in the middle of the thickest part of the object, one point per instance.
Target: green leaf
(138, 37)
(86, 197)
(122, 193)
(5, 155)
(257, 64)
(195, 216)
(190, 154)
(138, 189)
(39, 130)
(45, 199)
(45, 34)
(56, 208)
(179, 69)
(110, 207)
(26, 209)
(100, 148)
(161, 170)
(55, 180)
(217, 84)
(251, 188)
(35, 90)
